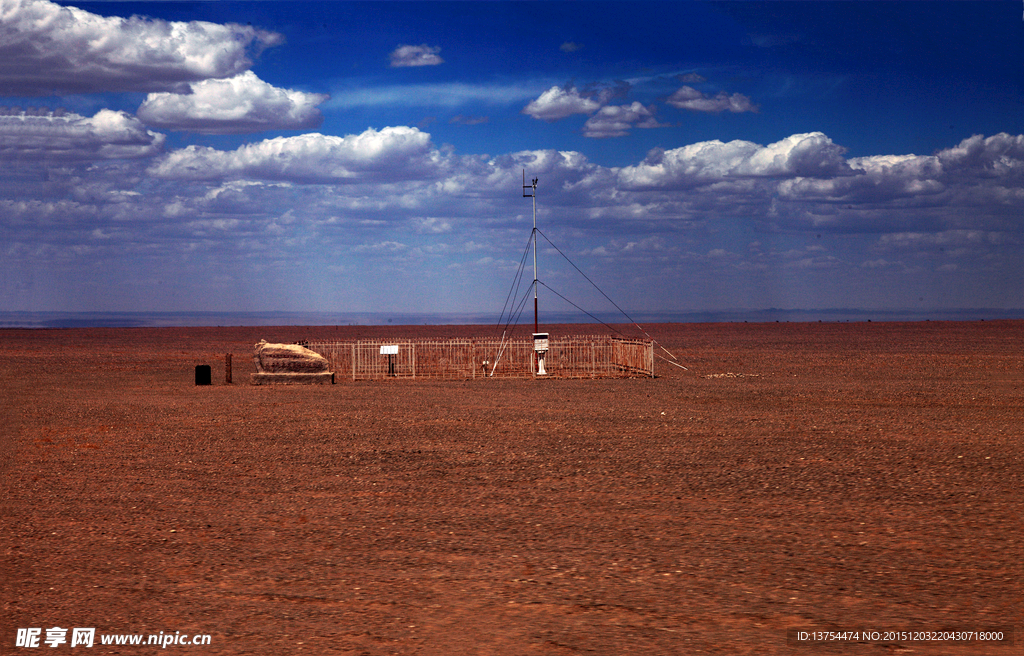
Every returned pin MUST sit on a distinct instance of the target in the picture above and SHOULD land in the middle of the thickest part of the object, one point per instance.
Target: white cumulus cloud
(707, 162)
(617, 120)
(240, 104)
(697, 101)
(998, 156)
(978, 170)
(49, 49)
(68, 137)
(879, 178)
(557, 103)
(383, 156)
(423, 55)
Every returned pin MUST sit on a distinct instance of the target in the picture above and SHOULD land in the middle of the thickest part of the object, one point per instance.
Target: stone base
(324, 378)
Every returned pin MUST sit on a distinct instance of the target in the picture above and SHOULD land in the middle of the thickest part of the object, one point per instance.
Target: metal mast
(533, 235)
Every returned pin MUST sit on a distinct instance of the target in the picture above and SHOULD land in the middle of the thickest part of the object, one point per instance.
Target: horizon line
(214, 318)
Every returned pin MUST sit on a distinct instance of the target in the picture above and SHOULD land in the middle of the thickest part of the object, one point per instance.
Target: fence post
(227, 368)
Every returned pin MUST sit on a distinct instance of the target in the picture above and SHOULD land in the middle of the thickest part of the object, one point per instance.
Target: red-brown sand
(799, 476)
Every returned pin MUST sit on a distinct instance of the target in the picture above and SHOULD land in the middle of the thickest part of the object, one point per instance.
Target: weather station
(540, 347)
(542, 356)
(540, 340)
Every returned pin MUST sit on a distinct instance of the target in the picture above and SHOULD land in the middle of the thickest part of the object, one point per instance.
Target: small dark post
(203, 376)
(227, 368)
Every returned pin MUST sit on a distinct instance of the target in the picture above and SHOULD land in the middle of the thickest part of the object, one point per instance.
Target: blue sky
(338, 156)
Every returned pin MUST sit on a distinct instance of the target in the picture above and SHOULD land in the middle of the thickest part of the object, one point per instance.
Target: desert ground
(813, 476)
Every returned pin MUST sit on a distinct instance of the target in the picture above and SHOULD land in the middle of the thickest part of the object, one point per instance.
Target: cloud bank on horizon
(151, 167)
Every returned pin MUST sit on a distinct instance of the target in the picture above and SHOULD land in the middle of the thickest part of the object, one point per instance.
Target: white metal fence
(577, 356)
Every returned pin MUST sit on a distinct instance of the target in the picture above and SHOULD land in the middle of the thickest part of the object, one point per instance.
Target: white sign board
(389, 349)
(540, 341)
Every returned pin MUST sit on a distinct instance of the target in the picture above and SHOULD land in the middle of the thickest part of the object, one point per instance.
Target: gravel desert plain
(797, 477)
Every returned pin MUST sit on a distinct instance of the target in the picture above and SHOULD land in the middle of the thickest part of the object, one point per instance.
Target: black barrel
(203, 374)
